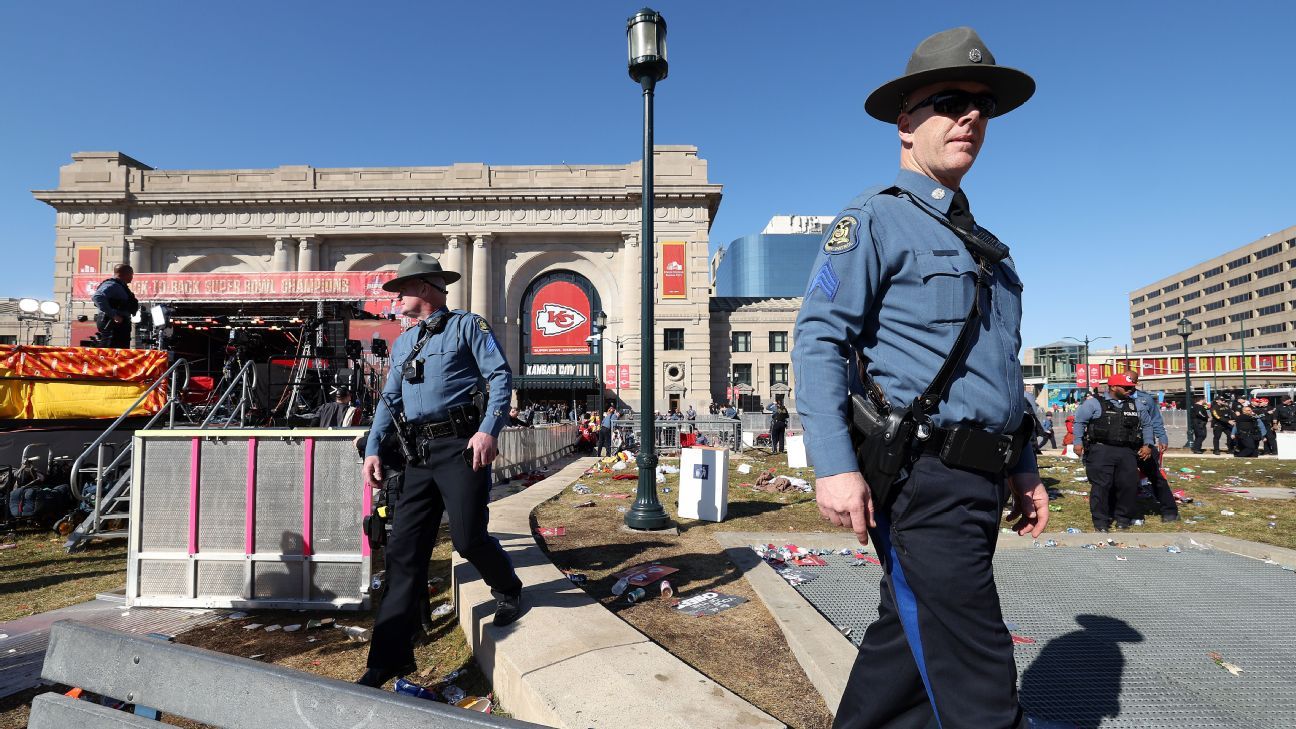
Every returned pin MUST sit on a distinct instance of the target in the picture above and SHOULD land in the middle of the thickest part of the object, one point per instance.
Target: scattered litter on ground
(236, 616)
(292, 628)
(253, 626)
(645, 574)
(1219, 661)
(257, 656)
(273, 628)
(1172, 549)
(552, 531)
(354, 632)
(1022, 640)
(11, 545)
(583, 505)
(1122, 559)
(1226, 512)
(581, 488)
(709, 603)
(666, 589)
(1073, 530)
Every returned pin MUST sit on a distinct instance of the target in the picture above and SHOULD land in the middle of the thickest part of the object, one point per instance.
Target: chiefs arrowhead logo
(554, 319)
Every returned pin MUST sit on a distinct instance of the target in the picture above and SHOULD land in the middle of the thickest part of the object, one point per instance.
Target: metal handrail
(74, 478)
(245, 375)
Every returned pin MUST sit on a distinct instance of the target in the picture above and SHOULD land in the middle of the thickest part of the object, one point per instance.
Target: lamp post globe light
(646, 37)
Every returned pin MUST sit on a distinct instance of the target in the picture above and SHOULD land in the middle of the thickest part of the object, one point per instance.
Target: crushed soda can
(409, 688)
(666, 590)
(636, 595)
(620, 586)
(453, 694)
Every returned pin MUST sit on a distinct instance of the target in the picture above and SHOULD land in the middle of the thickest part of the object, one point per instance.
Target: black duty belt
(463, 422)
(443, 429)
(971, 448)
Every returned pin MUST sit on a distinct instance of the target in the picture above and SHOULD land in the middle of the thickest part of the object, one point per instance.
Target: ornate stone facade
(500, 226)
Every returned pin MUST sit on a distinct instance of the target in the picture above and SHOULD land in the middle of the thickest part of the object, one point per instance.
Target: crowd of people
(1248, 426)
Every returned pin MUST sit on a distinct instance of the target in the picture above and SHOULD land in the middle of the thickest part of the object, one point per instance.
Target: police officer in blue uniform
(1112, 432)
(889, 294)
(116, 304)
(436, 369)
(1150, 467)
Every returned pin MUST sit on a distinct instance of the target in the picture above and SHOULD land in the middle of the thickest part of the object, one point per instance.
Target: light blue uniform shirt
(1091, 409)
(897, 287)
(1151, 409)
(454, 360)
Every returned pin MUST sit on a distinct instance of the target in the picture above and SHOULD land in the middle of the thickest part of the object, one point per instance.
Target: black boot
(376, 677)
(508, 606)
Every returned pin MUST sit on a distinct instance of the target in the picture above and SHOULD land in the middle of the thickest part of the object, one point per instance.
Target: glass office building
(773, 263)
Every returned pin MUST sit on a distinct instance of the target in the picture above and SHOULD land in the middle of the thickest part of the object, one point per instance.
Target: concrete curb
(827, 655)
(568, 662)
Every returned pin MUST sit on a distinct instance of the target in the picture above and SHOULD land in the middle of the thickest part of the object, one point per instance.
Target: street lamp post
(1086, 342)
(646, 37)
(1185, 329)
(1242, 337)
(600, 324)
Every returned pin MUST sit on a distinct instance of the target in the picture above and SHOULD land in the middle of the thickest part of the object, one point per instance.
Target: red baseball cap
(1120, 379)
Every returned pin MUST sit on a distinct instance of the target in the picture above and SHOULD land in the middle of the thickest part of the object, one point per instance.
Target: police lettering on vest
(1117, 426)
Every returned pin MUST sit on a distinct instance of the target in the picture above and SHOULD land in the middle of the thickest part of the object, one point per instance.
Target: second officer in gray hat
(437, 367)
(914, 303)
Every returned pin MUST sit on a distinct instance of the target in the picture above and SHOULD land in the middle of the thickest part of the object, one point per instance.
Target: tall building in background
(1245, 296)
(772, 263)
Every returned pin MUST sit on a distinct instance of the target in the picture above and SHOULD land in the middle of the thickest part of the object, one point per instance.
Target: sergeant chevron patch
(826, 280)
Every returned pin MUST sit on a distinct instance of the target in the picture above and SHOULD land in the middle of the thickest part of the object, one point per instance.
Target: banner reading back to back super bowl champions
(560, 319)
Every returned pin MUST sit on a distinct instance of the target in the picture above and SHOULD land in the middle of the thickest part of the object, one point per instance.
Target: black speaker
(378, 347)
(354, 349)
(331, 338)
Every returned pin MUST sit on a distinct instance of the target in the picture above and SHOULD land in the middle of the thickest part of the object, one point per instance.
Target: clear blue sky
(1162, 133)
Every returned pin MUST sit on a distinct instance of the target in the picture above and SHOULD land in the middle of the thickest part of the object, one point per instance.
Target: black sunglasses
(955, 101)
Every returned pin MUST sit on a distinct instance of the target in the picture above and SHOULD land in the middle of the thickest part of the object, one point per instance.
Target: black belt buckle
(977, 450)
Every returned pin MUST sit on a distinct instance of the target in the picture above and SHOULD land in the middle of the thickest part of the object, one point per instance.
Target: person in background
(1248, 430)
(1221, 424)
(606, 427)
(778, 427)
(1046, 433)
(116, 304)
(339, 413)
(1198, 417)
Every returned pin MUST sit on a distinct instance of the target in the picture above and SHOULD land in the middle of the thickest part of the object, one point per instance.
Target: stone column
(481, 276)
(140, 253)
(453, 260)
(308, 253)
(282, 260)
(631, 258)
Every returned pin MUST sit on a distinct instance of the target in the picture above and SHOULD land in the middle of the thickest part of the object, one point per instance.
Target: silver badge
(974, 55)
(938, 194)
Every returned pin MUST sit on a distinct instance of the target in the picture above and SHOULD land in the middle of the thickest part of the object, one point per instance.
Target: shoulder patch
(844, 235)
(825, 280)
(482, 325)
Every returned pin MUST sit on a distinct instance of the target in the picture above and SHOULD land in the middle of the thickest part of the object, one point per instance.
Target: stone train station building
(542, 250)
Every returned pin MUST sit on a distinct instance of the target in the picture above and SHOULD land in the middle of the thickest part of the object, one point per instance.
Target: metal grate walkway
(1126, 643)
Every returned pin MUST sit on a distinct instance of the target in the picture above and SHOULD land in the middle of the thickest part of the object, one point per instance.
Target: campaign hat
(957, 54)
(419, 265)
(1120, 379)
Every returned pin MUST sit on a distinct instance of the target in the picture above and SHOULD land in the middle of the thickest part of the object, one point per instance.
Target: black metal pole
(1188, 394)
(647, 512)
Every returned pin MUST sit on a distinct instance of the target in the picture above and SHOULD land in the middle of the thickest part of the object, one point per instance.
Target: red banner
(674, 270)
(1092, 378)
(293, 286)
(1082, 376)
(89, 260)
(610, 376)
(560, 319)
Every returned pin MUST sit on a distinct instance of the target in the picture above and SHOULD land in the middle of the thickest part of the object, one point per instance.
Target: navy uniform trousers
(1113, 482)
(939, 654)
(443, 482)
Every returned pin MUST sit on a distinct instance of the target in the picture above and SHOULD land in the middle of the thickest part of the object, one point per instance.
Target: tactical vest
(1117, 426)
(1247, 425)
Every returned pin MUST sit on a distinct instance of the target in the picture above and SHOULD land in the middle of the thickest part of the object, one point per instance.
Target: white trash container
(796, 452)
(704, 483)
(1287, 446)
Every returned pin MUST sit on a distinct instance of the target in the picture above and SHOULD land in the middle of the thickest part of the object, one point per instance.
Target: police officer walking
(436, 368)
(901, 270)
(116, 304)
(1150, 467)
(778, 427)
(1221, 424)
(1112, 434)
(1197, 420)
